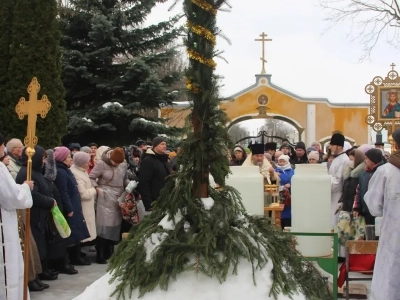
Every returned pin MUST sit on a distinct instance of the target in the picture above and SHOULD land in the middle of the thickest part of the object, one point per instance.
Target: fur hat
(374, 155)
(81, 158)
(284, 157)
(157, 141)
(257, 149)
(337, 139)
(61, 153)
(117, 155)
(270, 146)
(313, 155)
(140, 143)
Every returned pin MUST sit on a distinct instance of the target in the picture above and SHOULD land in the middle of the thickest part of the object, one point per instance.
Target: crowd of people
(88, 185)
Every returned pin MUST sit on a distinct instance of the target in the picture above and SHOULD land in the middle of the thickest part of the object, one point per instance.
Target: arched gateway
(314, 118)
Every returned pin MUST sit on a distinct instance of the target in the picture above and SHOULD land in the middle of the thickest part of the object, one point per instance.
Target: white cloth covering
(12, 196)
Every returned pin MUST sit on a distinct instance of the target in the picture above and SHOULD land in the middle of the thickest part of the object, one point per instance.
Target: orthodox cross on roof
(392, 65)
(263, 39)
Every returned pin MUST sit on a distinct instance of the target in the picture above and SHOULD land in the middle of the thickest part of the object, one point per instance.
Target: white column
(311, 124)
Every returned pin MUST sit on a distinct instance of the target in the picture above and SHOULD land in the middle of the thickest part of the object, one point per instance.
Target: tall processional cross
(30, 108)
(263, 39)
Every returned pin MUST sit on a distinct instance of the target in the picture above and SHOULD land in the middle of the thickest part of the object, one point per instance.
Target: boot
(66, 268)
(75, 256)
(40, 283)
(100, 247)
(34, 286)
(108, 249)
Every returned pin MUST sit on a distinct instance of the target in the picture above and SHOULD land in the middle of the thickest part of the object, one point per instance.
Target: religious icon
(262, 100)
(389, 103)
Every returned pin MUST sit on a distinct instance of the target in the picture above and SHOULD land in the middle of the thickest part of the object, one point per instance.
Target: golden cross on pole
(392, 65)
(30, 108)
(263, 40)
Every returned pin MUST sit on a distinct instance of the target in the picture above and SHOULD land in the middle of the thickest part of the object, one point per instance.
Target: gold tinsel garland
(201, 31)
(205, 6)
(201, 59)
(191, 87)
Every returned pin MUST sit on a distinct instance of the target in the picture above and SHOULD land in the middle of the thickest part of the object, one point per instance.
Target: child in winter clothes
(285, 171)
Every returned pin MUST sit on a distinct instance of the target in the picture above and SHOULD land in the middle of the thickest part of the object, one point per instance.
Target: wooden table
(277, 212)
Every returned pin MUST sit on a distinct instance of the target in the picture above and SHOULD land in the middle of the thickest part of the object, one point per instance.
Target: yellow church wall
(350, 120)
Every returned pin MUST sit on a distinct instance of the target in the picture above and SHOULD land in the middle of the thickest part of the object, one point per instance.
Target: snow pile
(108, 104)
(167, 223)
(208, 203)
(152, 242)
(190, 285)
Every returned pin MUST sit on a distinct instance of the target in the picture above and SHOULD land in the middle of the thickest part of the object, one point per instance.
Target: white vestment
(12, 196)
(383, 199)
(336, 173)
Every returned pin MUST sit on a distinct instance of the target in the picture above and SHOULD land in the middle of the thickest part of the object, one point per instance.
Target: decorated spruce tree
(195, 227)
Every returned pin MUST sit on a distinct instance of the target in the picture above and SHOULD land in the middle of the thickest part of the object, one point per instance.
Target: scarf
(285, 167)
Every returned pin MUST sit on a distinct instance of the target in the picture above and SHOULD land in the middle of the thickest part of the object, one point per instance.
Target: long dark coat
(42, 200)
(57, 244)
(71, 202)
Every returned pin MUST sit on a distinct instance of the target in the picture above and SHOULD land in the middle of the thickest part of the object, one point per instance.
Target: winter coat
(350, 177)
(234, 161)
(14, 166)
(71, 200)
(154, 169)
(111, 181)
(42, 197)
(286, 177)
(88, 196)
(57, 244)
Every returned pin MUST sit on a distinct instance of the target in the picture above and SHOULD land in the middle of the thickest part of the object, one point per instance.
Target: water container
(311, 208)
(250, 184)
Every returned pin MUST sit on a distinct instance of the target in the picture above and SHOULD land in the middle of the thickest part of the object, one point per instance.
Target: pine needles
(208, 241)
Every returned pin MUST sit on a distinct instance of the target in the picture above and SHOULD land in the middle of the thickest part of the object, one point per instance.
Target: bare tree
(278, 128)
(237, 132)
(371, 21)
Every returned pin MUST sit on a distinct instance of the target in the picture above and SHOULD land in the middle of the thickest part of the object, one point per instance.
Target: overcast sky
(301, 58)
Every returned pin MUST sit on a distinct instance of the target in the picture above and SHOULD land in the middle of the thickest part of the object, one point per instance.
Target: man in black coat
(154, 168)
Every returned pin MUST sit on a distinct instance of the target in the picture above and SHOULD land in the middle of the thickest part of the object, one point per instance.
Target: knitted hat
(396, 136)
(157, 141)
(300, 145)
(364, 147)
(81, 158)
(2, 139)
(237, 148)
(284, 157)
(61, 153)
(337, 139)
(313, 155)
(309, 149)
(257, 149)
(374, 155)
(140, 143)
(85, 149)
(73, 146)
(270, 146)
(117, 155)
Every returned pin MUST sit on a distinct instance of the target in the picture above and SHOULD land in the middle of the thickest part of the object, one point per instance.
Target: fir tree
(34, 51)
(110, 70)
(220, 237)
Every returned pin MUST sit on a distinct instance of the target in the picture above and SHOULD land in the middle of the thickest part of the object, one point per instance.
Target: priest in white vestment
(12, 196)
(383, 200)
(257, 158)
(336, 172)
